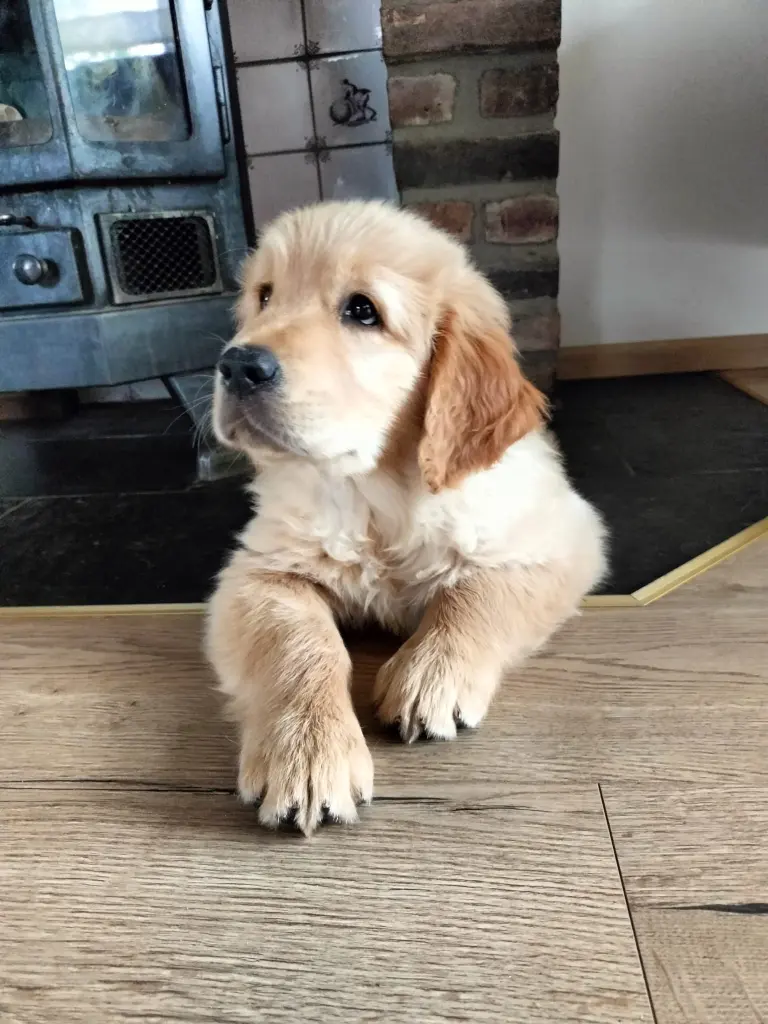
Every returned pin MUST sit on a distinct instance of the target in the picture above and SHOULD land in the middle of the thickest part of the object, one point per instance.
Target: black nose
(245, 370)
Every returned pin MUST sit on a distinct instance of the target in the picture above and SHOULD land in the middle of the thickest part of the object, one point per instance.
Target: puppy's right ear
(478, 401)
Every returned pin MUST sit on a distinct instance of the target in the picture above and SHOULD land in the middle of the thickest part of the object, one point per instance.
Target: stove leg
(195, 392)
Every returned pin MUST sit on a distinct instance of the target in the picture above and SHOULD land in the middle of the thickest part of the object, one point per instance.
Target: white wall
(664, 169)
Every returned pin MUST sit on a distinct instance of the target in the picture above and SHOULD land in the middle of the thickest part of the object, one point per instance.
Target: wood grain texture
(480, 886)
(680, 355)
(493, 905)
(673, 692)
(695, 869)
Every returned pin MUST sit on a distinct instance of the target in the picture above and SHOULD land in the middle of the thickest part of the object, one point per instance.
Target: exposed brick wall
(519, 92)
(521, 220)
(416, 27)
(416, 100)
(454, 215)
(473, 89)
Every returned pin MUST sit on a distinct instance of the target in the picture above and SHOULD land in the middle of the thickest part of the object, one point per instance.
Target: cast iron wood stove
(121, 219)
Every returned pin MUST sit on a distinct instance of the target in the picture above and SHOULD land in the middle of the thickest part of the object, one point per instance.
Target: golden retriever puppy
(404, 476)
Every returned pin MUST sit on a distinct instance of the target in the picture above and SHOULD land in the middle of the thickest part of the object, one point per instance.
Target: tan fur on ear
(478, 402)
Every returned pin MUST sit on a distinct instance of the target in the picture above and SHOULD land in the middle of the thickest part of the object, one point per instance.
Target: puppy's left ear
(478, 401)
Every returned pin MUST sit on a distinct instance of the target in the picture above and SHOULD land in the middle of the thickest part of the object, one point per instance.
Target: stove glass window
(24, 115)
(124, 70)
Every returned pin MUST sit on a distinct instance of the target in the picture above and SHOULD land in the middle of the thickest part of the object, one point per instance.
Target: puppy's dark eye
(265, 294)
(358, 309)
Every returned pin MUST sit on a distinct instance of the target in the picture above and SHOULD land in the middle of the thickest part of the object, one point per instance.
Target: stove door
(33, 145)
(138, 88)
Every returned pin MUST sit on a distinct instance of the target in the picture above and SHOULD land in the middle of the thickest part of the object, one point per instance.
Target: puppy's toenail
(327, 818)
(392, 730)
(288, 821)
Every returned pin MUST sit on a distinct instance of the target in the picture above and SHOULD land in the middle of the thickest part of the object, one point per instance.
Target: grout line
(311, 95)
(317, 150)
(626, 903)
(304, 58)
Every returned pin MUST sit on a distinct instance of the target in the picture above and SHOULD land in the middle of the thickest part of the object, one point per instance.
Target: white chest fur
(385, 545)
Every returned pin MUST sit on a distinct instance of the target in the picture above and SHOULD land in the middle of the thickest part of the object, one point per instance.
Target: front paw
(428, 692)
(306, 769)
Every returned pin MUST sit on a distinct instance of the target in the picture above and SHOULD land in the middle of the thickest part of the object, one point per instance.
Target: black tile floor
(104, 509)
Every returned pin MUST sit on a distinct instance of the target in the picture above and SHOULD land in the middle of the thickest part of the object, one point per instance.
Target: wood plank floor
(616, 800)
(695, 867)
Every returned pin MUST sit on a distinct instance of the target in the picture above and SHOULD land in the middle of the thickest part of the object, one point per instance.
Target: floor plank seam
(626, 903)
(106, 784)
(126, 785)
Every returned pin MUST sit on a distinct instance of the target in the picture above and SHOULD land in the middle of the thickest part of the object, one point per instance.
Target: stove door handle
(10, 220)
(31, 269)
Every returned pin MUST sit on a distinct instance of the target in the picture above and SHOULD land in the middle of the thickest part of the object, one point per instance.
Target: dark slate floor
(676, 463)
(104, 509)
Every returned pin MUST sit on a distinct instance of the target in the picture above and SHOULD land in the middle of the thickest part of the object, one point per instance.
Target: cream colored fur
(386, 491)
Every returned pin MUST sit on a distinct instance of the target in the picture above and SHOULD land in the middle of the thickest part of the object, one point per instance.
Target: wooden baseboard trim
(686, 355)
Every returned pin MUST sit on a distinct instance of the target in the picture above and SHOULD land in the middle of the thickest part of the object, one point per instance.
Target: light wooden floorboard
(491, 905)
(674, 692)
(695, 867)
(480, 886)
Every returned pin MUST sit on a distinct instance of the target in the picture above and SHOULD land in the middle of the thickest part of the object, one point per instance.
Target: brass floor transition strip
(639, 598)
(690, 570)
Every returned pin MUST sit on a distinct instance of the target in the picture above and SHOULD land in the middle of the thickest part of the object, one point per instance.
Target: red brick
(463, 26)
(430, 163)
(521, 220)
(453, 215)
(533, 281)
(538, 333)
(505, 92)
(421, 99)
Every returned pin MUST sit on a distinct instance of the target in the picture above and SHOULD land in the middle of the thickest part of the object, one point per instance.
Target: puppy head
(352, 315)
(334, 327)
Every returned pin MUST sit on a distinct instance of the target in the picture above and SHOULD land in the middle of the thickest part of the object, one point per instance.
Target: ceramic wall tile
(275, 107)
(350, 98)
(281, 182)
(336, 26)
(265, 29)
(363, 172)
